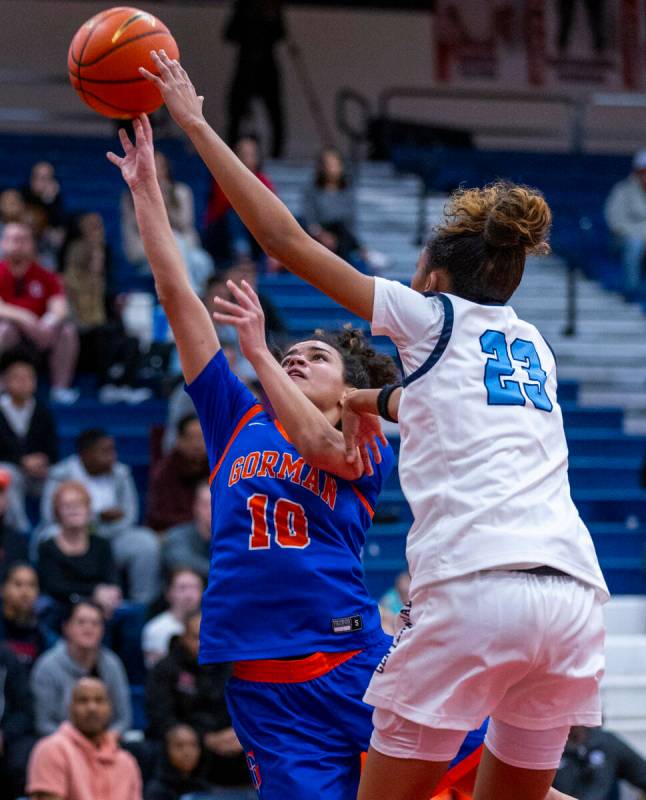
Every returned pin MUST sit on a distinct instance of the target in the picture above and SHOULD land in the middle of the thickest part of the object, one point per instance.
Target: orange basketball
(105, 56)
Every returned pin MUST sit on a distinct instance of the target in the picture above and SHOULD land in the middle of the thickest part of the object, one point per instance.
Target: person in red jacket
(175, 478)
(34, 309)
(226, 238)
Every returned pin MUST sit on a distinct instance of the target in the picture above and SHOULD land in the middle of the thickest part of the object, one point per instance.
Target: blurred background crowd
(105, 507)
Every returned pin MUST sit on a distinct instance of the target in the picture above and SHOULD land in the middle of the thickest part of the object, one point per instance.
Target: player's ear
(437, 281)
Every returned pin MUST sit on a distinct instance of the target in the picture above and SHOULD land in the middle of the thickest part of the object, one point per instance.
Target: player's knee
(400, 738)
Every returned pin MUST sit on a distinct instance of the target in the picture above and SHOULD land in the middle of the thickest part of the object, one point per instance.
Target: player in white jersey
(506, 590)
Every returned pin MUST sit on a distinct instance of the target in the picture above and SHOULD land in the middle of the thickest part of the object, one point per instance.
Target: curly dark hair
(485, 237)
(364, 367)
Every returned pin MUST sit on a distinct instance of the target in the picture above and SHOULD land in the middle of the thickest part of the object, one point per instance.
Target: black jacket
(14, 547)
(178, 690)
(16, 716)
(169, 784)
(589, 770)
(41, 437)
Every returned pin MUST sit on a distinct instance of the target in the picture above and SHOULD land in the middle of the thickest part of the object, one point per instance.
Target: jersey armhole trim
(441, 345)
(363, 500)
(249, 415)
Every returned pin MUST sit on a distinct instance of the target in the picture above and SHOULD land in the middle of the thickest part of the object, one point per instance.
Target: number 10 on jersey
(501, 391)
(290, 523)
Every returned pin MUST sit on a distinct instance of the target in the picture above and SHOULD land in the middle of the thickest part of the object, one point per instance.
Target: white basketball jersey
(483, 459)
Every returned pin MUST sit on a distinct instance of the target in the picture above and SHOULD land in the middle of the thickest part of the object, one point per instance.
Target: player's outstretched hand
(247, 316)
(182, 101)
(362, 432)
(137, 165)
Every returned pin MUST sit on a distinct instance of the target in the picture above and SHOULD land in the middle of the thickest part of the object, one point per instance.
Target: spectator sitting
(20, 629)
(175, 477)
(12, 207)
(393, 601)
(45, 211)
(82, 759)
(79, 654)
(14, 545)
(178, 772)
(74, 564)
(178, 691)
(592, 763)
(329, 197)
(115, 509)
(184, 594)
(180, 205)
(189, 545)
(106, 349)
(28, 436)
(44, 190)
(245, 270)
(625, 212)
(226, 237)
(16, 724)
(33, 308)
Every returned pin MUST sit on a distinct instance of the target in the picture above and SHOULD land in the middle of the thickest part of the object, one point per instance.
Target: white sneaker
(63, 396)
(134, 396)
(109, 393)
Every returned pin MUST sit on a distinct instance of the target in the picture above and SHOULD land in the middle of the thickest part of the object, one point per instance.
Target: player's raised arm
(264, 214)
(311, 432)
(194, 333)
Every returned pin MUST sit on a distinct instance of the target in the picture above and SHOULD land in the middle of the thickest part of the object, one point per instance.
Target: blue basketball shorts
(303, 733)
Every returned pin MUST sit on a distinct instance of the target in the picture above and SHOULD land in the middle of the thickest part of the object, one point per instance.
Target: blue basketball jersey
(285, 577)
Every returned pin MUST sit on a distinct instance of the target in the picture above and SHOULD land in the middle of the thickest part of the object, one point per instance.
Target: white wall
(341, 48)
(364, 50)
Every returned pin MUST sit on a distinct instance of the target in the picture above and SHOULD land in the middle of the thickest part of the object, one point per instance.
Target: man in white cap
(626, 217)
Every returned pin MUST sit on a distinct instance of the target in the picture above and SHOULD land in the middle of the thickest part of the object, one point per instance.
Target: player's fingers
(148, 130)
(253, 295)
(114, 158)
(376, 452)
(150, 76)
(140, 136)
(230, 308)
(227, 319)
(161, 64)
(350, 441)
(382, 438)
(367, 463)
(125, 141)
(242, 297)
(167, 62)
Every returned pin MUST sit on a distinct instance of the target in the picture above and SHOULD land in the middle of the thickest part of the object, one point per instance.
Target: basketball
(104, 59)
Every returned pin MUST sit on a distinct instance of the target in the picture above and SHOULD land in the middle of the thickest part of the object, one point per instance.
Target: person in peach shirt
(82, 760)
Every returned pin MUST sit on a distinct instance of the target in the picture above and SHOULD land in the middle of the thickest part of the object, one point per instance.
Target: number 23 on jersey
(499, 368)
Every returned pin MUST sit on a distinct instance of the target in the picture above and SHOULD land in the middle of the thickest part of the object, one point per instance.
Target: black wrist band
(382, 400)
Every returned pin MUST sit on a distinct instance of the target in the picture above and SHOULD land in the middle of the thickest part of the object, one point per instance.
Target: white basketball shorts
(521, 648)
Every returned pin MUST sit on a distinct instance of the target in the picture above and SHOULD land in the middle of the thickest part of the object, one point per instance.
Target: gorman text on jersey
(284, 467)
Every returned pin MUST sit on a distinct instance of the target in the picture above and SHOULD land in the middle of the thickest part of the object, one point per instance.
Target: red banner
(542, 43)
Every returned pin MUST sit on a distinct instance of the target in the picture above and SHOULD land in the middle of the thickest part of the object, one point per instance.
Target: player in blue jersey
(422, 724)
(286, 601)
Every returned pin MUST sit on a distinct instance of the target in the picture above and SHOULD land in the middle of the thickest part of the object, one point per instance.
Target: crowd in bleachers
(101, 571)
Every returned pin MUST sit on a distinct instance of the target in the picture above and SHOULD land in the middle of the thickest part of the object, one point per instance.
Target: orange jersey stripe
(290, 671)
(253, 411)
(364, 502)
(282, 430)
(461, 770)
